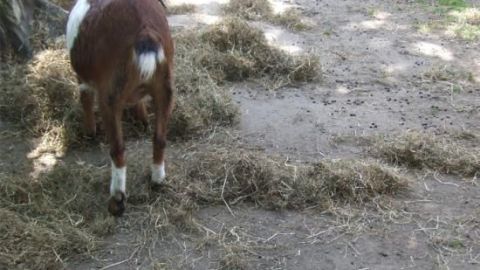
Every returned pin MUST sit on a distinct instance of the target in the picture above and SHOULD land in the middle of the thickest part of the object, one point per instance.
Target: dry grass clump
(181, 9)
(45, 220)
(200, 102)
(55, 89)
(464, 23)
(356, 181)
(242, 51)
(448, 74)
(458, 18)
(42, 97)
(16, 102)
(224, 175)
(29, 244)
(292, 19)
(420, 150)
(233, 260)
(262, 10)
(250, 9)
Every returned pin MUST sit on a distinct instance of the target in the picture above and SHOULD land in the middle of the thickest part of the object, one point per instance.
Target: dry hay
(181, 9)
(63, 213)
(29, 244)
(221, 174)
(242, 51)
(42, 97)
(50, 218)
(425, 150)
(200, 101)
(249, 9)
(262, 10)
(292, 19)
(447, 73)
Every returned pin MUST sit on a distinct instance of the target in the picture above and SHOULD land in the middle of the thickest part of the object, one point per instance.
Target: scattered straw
(421, 150)
(64, 210)
(181, 9)
(47, 220)
(250, 9)
(241, 51)
(200, 102)
(270, 182)
(262, 10)
(43, 98)
(292, 19)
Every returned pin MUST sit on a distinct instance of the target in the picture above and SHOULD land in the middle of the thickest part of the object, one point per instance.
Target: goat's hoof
(116, 204)
(156, 187)
(158, 174)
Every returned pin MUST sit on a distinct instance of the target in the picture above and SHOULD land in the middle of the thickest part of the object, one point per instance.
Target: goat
(122, 50)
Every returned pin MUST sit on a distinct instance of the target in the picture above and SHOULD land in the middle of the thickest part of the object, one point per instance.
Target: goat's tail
(148, 54)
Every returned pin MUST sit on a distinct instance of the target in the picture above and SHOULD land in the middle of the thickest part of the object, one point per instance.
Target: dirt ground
(381, 75)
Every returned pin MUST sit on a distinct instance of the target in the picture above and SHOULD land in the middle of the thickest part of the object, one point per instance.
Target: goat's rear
(122, 50)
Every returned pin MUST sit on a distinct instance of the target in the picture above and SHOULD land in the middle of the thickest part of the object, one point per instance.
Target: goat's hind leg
(87, 98)
(112, 120)
(162, 98)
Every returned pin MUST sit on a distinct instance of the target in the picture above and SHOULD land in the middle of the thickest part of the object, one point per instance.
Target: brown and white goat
(121, 51)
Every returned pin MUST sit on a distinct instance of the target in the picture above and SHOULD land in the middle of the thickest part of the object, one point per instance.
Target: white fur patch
(119, 179)
(160, 55)
(158, 173)
(75, 19)
(147, 63)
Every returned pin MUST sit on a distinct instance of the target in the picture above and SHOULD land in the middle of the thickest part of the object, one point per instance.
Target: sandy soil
(374, 64)
(376, 67)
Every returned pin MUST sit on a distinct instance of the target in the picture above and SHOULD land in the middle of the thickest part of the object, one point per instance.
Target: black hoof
(116, 204)
(156, 187)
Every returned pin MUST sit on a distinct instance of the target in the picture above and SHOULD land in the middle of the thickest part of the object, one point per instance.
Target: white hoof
(158, 173)
(119, 179)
